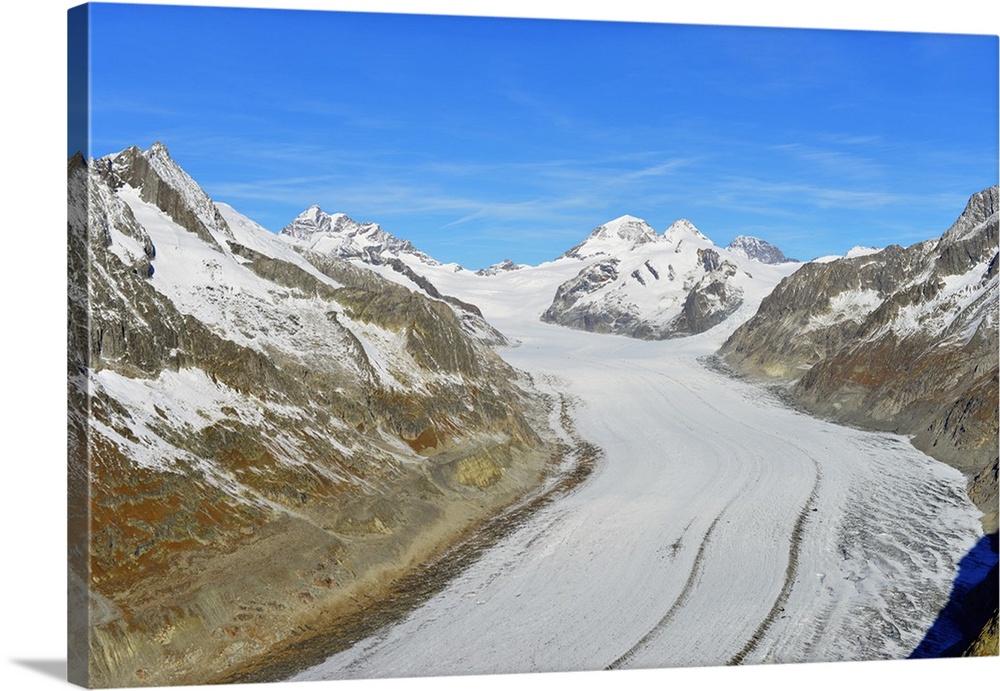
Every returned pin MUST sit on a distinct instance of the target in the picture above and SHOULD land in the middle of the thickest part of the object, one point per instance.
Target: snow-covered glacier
(720, 527)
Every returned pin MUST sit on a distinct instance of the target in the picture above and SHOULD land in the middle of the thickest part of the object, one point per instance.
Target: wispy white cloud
(471, 190)
(842, 164)
(797, 194)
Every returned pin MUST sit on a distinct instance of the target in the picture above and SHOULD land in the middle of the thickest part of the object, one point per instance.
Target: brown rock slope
(257, 444)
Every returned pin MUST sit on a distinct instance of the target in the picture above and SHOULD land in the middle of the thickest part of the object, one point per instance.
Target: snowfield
(720, 527)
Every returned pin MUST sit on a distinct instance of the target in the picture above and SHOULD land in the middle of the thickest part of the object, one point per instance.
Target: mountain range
(629, 279)
(267, 429)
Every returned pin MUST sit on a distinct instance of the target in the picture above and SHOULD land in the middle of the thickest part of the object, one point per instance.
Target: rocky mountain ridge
(905, 340)
(341, 236)
(635, 282)
(258, 435)
(322, 236)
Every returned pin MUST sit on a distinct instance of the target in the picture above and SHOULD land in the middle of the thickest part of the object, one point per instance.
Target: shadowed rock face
(565, 310)
(713, 298)
(707, 303)
(902, 340)
(255, 443)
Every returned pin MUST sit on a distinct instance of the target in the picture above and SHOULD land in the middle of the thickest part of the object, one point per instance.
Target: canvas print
(413, 345)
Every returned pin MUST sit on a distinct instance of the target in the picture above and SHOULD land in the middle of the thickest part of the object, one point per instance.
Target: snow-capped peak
(861, 251)
(344, 237)
(619, 235)
(312, 213)
(314, 221)
(683, 228)
(627, 228)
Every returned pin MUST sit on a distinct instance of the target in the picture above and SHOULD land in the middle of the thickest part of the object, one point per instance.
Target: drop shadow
(50, 668)
(972, 601)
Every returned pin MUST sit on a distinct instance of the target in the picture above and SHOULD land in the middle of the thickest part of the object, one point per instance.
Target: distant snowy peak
(314, 222)
(342, 236)
(758, 250)
(854, 252)
(501, 267)
(627, 228)
(614, 237)
(861, 251)
(683, 228)
(640, 284)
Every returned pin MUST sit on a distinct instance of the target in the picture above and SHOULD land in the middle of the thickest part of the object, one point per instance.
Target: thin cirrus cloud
(826, 197)
(848, 165)
(809, 195)
(360, 179)
(470, 135)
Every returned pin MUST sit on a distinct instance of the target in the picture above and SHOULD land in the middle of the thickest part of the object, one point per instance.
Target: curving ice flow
(719, 527)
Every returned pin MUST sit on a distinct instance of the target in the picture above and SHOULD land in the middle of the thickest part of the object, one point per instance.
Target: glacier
(721, 526)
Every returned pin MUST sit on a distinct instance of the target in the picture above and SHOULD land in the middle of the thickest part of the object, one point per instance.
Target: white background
(32, 336)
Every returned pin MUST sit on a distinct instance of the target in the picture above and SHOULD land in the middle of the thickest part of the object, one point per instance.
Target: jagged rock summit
(757, 249)
(322, 237)
(341, 236)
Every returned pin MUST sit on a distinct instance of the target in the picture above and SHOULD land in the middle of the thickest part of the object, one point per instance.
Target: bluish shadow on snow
(973, 598)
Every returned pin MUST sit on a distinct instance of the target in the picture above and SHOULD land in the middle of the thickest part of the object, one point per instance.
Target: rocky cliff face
(257, 439)
(641, 284)
(904, 339)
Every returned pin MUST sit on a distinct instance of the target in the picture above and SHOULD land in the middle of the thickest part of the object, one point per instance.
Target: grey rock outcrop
(710, 301)
(565, 310)
(757, 249)
(500, 267)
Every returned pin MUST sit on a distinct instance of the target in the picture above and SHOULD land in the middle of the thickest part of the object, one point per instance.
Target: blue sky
(481, 139)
